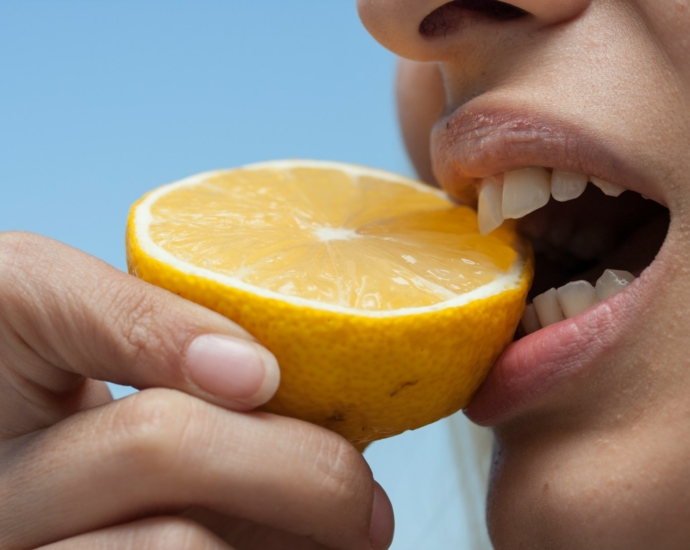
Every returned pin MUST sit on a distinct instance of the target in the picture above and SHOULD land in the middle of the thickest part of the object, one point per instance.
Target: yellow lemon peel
(381, 301)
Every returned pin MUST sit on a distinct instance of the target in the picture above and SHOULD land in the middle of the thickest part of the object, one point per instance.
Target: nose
(424, 30)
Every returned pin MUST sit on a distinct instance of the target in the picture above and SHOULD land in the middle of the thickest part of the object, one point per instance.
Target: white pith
(143, 218)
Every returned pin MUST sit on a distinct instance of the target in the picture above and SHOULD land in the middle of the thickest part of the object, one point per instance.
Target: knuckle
(144, 327)
(346, 474)
(151, 429)
(22, 266)
(17, 251)
(132, 314)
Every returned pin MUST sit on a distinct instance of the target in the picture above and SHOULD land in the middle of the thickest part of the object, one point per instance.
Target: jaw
(589, 488)
(599, 461)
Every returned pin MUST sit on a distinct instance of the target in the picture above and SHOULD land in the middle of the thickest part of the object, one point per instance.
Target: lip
(541, 362)
(481, 139)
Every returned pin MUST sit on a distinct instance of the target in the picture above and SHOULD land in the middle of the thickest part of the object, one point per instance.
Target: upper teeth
(525, 191)
(519, 192)
(610, 189)
(566, 186)
(489, 210)
(570, 300)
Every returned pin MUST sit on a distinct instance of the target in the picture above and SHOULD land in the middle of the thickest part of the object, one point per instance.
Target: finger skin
(245, 535)
(66, 316)
(165, 450)
(160, 533)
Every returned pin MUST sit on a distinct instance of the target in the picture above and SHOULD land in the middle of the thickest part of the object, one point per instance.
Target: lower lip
(539, 363)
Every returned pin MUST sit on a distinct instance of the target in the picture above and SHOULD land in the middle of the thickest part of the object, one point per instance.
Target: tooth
(612, 282)
(566, 186)
(548, 309)
(489, 208)
(610, 189)
(575, 297)
(525, 191)
(530, 320)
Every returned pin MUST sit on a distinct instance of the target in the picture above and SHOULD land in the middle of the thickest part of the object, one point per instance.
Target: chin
(582, 483)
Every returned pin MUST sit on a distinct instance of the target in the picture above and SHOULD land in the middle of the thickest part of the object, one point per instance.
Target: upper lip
(481, 139)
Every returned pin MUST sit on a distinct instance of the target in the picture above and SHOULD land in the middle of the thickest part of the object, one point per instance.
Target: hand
(177, 465)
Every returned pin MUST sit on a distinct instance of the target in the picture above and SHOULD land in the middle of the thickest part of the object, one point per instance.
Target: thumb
(65, 315)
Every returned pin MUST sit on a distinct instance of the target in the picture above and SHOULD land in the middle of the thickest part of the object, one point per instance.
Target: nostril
(448, 17)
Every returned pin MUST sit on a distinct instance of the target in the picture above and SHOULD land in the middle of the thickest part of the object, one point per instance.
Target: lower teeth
(612, 282)
(576, 297)
(572, 299)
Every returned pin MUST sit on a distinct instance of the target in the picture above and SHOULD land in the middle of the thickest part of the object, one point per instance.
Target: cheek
(627, 487)
(669, 21)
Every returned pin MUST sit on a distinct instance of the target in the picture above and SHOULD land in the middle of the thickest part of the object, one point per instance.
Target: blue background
(102, 101)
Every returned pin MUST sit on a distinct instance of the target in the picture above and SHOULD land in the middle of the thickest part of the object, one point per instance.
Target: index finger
(65, 315)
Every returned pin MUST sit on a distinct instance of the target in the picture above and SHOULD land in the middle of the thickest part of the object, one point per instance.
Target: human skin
(183, 464)
(595, 454)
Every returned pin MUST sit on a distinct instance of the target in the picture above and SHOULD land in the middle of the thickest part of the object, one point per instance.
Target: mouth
(597, 224)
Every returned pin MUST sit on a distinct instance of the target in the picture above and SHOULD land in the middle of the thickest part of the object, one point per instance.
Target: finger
(161, 533)
(65, 315)
(245, 535)
(164, 450)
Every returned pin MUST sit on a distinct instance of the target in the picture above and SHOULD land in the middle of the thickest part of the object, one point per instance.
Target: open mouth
(591, 238)
(592, 241)
(580, 201)
(591, 245)
(581, 204)
(525, 140)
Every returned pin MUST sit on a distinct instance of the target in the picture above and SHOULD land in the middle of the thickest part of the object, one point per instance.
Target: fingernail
(382, 520)
(232, 368)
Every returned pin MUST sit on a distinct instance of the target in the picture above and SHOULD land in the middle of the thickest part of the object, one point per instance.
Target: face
(591, 412)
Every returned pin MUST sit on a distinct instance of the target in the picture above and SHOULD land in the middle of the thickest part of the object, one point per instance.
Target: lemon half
(383, 304)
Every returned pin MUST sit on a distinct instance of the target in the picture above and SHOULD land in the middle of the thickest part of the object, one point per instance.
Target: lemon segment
(382, 303)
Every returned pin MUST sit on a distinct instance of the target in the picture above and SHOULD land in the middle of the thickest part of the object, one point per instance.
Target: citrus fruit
(381, 301)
